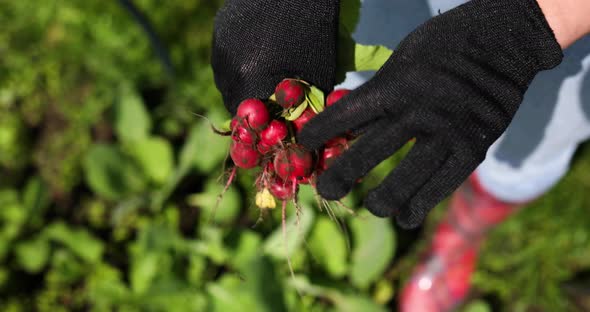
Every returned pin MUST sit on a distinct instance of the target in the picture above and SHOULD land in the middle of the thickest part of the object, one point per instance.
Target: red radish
(307, 115)
(294, 162)
(270, 167)
(282, 190)
(290, 93)
(262, 139)
(244, 156)
(244, 135)
(334, 148)
(328, 156)
(335, 96)
(304, 180)
(274, 133)
(338, 142)
(233, 124)
(263, 148)
(254, 112)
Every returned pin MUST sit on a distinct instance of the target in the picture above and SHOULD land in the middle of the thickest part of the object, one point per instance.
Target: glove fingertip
(331, 187)
(411, 218)
(309, 138)
(378, 206)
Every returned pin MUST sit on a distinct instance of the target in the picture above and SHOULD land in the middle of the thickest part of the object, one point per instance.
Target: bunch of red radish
(263, 136)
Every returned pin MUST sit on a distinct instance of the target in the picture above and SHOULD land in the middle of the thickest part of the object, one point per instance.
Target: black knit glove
(258, 43)
(454, 84)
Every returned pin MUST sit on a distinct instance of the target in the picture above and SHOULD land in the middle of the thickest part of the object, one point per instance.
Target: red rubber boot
(442, 280)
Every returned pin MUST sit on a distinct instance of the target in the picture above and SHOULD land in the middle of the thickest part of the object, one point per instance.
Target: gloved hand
(454, 84)
(258, 43)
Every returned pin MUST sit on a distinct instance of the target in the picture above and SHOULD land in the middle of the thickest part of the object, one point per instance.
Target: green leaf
(345, 57)
(106, 287)
(275, 243)
(211, 244)
(228, 208)
(384, 291)
(35, 199)
(32, 255)
(248, 248)
(190, 149)
(227, 295)
(132, 120)
(477, 306)
(295, 112)
(316, 99)
(65, 267)
(328, 246)
(192, 154)
(79, 241)
(354, 57)
(154, 156)
(354, 303)
(12, 218)
(209, 148)
(349, 14)
(343, 301)
(171, 295)
(197, 269)
(260, 275)
(369, 57)
(143, 270)
(258, 289)
(226, 125)
(307, 195)
(110, 174)
(304, 285)
(374, 244)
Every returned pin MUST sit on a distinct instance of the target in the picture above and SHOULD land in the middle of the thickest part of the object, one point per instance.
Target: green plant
(108, 182)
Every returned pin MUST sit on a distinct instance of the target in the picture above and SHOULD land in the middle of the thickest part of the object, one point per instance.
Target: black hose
(146, 25)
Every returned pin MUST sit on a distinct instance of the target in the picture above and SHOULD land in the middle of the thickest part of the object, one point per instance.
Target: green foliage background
(108, 178)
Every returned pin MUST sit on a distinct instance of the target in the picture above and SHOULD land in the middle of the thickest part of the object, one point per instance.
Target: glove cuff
(515, 33)
(543, 44)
